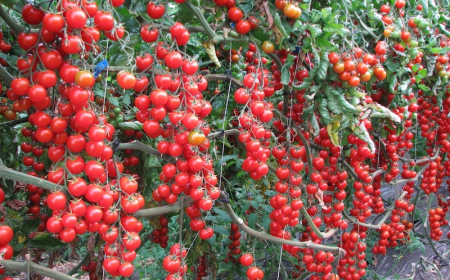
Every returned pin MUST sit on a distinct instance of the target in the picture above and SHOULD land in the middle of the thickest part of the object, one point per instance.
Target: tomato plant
(285, 117)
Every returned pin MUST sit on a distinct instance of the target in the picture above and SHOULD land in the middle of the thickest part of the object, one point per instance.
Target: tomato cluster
(437, 218)
(173, 263)
(234, 252)
(242, 25)
(90, 268)
(159, 236)
(356, 67)
(201, 268)
(6, 250)
(319, 263)
(290, 10)
(353, 265)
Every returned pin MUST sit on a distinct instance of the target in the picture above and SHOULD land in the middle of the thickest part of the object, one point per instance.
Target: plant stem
(285, 87)
(180, 233)
(9, 21)
(321, 235)
(425, 225)
(75, 269)
(198, 14)
(10, 174)
(302, 137)
(14, 122)
(35, 268)
(380, 223)
(264, 236)
(157, 211)
(5, 76)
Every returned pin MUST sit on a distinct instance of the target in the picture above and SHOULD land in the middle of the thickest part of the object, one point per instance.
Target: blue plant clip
(102, 65)
(232, 25)
(297, 50)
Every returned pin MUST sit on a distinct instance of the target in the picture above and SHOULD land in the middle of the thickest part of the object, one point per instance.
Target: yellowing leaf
(211, 51)
(331, 128)
(21, 239)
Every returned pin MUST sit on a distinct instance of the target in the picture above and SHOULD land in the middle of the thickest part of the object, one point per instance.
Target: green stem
(10, 174)
(75, 269)
(14, 122)
(157, 211)
(285, 87)
(321, 235)
(35, 268)
(198, 14)
(416, 200)
(380, 223)
(5, 76)
(180, 233)
(264, 236)
(137, 145)
(9, 21)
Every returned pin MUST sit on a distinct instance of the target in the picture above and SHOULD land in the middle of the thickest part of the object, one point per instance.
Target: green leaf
(113, 101)
(261, 34)
(338, 104)
(315, 124)
(336, 28)
(138, 6)
(323, 110)
(422, 73)
(30, 225)
(184, 15)
(316, 16)
(326, 12)
(315, 30)
(425, 10)
(252, 219)
(45, 241)
(393, 83)
(279, 24)
(11, 59)
(136, 125)
(440, 50)
(9, 3)
(304, 85)
(121, 60)
(246, 6)
(126, 98)
(307, 44)
(391, 65)
(285, 73)
(323, 67)
(14, 218)
(424, 88)
(151, 161)
(324, 44)
(403, 86)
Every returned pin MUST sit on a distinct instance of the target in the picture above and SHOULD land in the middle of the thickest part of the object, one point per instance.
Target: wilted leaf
(362, 133)
(379, 111)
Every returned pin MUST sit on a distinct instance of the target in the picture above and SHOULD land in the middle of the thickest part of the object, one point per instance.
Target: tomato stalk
(35, 268)
(9, 21)
(10, 174)
(264, 236)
